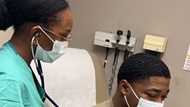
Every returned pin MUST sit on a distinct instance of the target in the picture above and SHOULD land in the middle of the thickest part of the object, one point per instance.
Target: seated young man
(143, 81)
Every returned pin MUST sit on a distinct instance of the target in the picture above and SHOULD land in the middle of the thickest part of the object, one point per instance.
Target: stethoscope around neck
(40, 72)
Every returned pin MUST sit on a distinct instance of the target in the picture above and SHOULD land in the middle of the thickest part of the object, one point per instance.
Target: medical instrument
(40, 72)
(115, 62)
(105, 61)
(108, 40)
(119, 33)
(126, 52)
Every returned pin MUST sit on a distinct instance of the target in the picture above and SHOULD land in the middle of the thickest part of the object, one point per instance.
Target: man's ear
(124, 87)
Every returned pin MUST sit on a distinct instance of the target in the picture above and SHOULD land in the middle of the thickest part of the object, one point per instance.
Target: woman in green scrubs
(41, 29)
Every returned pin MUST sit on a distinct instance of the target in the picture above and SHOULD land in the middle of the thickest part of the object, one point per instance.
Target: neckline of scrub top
(12, 47)
(20, 59)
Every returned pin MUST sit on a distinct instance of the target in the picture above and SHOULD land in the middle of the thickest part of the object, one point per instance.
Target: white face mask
(59, 48)
(143, 102)
(147, 103)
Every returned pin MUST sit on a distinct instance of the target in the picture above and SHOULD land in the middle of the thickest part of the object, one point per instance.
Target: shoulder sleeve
(10, 94)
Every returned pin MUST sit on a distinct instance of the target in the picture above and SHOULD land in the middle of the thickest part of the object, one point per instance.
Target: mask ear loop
(133, 92)
(126, 101)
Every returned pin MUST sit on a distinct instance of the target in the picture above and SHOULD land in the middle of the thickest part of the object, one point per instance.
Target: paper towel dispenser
(155, 43)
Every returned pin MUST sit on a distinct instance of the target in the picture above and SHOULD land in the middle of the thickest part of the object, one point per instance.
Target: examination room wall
(166, 18)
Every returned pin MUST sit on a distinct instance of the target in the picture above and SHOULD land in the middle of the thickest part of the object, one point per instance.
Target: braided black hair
(17, 12)
(142, 66)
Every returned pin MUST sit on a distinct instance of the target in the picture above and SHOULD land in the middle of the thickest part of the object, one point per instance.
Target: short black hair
(17, 12)
(142, 66)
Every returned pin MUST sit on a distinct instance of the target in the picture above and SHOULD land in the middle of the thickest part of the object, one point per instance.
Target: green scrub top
(18, 86)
